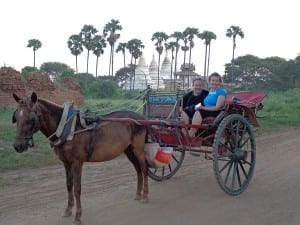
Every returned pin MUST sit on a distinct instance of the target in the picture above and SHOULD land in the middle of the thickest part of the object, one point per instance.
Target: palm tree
(159, 37)
(234, 31)
(178, 36)
(87, 34)
(35, 44)
(134, 47)
(171, 46)
(191, 33)
(98, 46)
(207, 36)
(121, 48)
(112, 27)
(75, 46)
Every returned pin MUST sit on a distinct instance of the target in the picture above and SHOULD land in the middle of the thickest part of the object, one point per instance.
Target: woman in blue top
(213, 102)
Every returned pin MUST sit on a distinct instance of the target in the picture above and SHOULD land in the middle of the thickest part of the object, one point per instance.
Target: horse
(105, 141)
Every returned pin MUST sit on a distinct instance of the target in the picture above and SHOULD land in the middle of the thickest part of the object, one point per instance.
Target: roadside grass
(281, 110)
(41, 154)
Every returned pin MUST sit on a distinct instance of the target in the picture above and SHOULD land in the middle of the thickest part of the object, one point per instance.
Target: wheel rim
(166, 172)
(234, 154)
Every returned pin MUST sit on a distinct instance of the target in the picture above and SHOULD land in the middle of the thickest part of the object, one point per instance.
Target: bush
(28, 69)
(101, 89)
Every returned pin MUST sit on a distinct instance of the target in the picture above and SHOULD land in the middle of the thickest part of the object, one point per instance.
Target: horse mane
(50, 105)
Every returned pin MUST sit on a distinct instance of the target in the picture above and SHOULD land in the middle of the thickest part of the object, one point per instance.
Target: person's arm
(219, 105)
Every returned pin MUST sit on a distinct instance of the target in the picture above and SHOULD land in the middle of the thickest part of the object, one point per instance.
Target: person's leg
(184, 117)
(197, 120)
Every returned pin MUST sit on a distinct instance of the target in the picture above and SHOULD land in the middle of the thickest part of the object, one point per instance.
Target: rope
(170, 114)
(141, 106)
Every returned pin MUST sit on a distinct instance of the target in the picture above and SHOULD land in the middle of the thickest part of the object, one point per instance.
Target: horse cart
(228, 139)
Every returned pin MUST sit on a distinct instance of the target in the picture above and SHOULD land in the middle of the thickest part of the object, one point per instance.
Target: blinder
(14, 120)
(34, 122)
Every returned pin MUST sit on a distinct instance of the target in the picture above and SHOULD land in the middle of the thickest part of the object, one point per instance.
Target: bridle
(35, 119)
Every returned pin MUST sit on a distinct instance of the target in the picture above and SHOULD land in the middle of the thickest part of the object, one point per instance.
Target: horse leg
(140, 156)
(76, 172)
(130, 155)
(69, 181)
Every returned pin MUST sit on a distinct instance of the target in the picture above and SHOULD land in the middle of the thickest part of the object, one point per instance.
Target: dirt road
(191, 197)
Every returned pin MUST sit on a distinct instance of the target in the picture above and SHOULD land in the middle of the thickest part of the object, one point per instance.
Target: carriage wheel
(234, 154)
(167, 172)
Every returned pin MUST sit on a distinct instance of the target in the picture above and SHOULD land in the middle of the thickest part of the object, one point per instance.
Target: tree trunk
(124, 59)
(208, 60)
(190, 60)
(112, 60)
(34, 59)
(97, 65)
(172, 61)
(175, 70)
(205, 61)
(232, 61)
(158, 71)
(76, 64)
(87, 61)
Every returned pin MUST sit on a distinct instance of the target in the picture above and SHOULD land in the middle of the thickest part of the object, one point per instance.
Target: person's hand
(198, 106)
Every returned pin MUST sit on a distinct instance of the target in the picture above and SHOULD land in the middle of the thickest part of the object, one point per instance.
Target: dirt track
(191, 197)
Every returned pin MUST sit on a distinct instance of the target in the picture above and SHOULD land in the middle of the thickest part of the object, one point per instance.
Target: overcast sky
(271, 28)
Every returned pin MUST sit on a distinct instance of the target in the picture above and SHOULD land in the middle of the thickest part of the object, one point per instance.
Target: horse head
(27, 119)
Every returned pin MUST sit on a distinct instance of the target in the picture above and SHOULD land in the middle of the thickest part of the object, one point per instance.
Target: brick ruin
(11, 81)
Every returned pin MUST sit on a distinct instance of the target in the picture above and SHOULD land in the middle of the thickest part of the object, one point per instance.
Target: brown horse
(105, 141)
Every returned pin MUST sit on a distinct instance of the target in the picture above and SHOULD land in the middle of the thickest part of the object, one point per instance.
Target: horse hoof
(76, 223)
(138, 197)
(145, 200)
(67, 213)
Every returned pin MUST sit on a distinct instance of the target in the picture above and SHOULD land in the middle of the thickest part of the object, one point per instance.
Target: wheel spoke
(236, 136)
(243, 169)
(173, 156)
(243, 134)
(247, 139)
(246, 162)
(221, 170)
(238, 175)
(163, 171)
(225, 146)
(234, 174)
(228, 172)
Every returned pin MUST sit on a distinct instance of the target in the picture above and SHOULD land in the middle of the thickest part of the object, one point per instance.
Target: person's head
(215, 80)
(197, 86)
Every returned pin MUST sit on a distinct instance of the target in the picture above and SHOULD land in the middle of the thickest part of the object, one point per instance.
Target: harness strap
(92, 142)
(66, 126)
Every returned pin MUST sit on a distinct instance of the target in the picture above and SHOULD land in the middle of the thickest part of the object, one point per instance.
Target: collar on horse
(65, 130)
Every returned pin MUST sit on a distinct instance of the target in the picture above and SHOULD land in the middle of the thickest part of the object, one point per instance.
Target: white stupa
(142, 77)
(153, 72)
(165, 71)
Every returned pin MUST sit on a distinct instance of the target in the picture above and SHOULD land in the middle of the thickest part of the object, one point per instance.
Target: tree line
(90, 39)
(244, 71)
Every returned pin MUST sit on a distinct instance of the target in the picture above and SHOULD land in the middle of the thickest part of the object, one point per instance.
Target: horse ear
(33, 97)
(16, 97)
